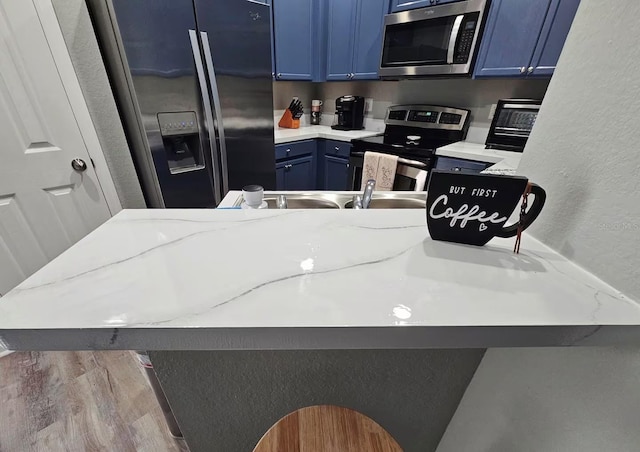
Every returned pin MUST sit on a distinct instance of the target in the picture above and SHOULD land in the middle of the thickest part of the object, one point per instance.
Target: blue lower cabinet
(333, 165)
(336, 173)
(280, 176)
(296, 174)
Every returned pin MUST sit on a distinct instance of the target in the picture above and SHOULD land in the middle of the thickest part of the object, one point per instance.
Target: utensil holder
(288, 122)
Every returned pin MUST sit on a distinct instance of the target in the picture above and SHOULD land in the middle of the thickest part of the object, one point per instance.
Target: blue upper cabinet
(510, 37)
(293, 30)
(404, 5)
(554, 33)
(524, 38)
(354, 38)
(341, 17)
(368, 45)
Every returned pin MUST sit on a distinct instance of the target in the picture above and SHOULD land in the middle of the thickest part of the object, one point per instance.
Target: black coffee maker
(349, 113)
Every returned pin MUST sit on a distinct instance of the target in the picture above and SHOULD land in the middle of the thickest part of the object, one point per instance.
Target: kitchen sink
(344, 200)
(304, 202)
(392, 203)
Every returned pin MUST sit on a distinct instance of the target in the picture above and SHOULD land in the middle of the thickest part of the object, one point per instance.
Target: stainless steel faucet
(368, 193)
(364, 201)
(281, 202)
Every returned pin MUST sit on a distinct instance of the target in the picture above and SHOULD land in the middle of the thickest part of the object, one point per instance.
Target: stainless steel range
(413, 133)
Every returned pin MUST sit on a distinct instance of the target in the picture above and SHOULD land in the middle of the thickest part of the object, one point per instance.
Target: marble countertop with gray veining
(305, 279)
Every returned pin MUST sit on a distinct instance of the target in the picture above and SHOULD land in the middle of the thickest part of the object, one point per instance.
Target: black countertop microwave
(512, 123)
(434, 41)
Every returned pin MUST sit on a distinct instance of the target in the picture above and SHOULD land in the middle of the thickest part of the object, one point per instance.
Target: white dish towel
(381, 168)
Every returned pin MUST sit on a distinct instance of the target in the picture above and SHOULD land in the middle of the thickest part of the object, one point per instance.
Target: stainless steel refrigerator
(192, 80)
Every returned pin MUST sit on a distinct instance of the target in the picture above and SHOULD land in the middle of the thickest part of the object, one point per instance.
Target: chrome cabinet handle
(347, 165)
(218, 111)
(530, 70)
(288, 150)
(206, 106)
(287, 167)
(337, 148)
(79, 165)
(523, 70)
(278, 75)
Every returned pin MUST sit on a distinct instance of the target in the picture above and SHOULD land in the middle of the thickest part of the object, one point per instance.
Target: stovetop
(417, 130)
(403, 143)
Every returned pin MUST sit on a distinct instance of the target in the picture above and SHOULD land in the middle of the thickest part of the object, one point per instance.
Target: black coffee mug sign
(473, 208)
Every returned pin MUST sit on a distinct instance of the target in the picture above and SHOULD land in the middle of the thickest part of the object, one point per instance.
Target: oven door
(439, 40)
(411, 175)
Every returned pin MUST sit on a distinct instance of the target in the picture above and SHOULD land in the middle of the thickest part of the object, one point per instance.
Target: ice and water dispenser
(181, 140)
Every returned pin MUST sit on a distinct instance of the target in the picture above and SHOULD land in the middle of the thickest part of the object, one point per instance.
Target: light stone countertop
(312, 132)
(504, 162)
(173, 279)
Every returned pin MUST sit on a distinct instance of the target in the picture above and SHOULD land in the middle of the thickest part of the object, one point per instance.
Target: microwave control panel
(466, 36)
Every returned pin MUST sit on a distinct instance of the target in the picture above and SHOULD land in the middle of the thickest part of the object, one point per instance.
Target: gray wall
(584, 151)
(83, 47)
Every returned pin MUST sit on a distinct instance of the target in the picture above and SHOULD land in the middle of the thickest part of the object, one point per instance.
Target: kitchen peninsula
(249, 315)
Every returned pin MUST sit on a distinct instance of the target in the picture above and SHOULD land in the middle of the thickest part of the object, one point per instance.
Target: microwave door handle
(215, 94)
(454, 36)
(206, 106)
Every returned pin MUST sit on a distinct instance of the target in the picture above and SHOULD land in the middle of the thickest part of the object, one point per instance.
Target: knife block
(288, 122)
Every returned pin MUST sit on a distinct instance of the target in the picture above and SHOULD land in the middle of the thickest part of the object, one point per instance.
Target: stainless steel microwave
(438, 40)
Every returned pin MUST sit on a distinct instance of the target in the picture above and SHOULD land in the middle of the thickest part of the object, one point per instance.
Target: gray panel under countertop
(226, 400)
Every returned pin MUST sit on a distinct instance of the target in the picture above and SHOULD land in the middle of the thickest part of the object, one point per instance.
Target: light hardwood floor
(79, 401)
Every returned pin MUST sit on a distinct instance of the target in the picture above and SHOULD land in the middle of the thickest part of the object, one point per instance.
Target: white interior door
(45, 205)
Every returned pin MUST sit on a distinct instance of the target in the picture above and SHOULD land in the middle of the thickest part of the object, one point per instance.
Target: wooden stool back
(326, 428)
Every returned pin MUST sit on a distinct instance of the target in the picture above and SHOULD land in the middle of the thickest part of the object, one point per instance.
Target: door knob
(78, 165)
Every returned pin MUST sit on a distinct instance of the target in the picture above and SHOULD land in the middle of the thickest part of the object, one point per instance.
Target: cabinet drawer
(448, 163)
(337, 148)
(295, 149)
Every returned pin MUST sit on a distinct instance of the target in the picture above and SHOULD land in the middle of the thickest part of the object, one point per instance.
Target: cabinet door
(336, 173)
(368, 42)
(404, 5)
(293, 27)
(280, 186)
(554, 33)
(299, 174)
(510, 38)
(340, 38)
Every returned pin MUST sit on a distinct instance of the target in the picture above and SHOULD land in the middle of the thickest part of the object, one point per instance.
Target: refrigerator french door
(192, 79)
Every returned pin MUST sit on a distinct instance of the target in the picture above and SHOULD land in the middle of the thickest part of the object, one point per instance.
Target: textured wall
(584, 151)
(83, 47)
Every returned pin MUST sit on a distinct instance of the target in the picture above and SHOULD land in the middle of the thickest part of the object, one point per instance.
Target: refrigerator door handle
(218, 110)
(206, 105)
